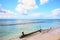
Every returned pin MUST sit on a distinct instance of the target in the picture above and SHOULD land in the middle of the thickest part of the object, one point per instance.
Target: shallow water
(16, 30)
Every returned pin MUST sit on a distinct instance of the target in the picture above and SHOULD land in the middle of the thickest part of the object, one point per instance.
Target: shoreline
(52, 34)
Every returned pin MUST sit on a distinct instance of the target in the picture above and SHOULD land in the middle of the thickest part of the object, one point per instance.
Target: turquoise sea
(14, 27)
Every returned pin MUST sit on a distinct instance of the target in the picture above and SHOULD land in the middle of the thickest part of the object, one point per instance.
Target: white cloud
(25, 5)
(43, 1)
(7, 14)
(55, 12)
(34, 15)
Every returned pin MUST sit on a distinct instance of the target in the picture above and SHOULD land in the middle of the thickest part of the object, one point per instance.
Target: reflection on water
(26, 27)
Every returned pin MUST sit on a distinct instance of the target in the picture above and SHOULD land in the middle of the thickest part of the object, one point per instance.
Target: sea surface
(15, 27)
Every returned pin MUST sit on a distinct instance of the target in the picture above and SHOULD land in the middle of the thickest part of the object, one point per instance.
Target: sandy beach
(52, 34)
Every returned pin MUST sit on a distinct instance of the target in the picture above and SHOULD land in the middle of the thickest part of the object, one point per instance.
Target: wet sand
(52, 34)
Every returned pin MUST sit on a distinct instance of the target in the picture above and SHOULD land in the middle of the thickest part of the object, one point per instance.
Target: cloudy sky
(29, 9)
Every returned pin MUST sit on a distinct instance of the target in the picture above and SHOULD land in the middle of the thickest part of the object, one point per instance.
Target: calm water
(11, 28)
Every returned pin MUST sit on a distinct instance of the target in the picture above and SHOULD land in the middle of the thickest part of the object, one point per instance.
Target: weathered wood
(25, 35)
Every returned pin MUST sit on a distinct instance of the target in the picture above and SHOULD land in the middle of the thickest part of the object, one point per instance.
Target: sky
(29, 9)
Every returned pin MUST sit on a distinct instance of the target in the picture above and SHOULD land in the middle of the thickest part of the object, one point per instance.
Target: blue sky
(29, 9)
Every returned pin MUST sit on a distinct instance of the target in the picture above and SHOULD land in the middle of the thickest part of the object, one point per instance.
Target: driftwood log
(24, 35)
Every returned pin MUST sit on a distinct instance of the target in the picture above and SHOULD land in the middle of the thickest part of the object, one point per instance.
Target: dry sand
(53, 34)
